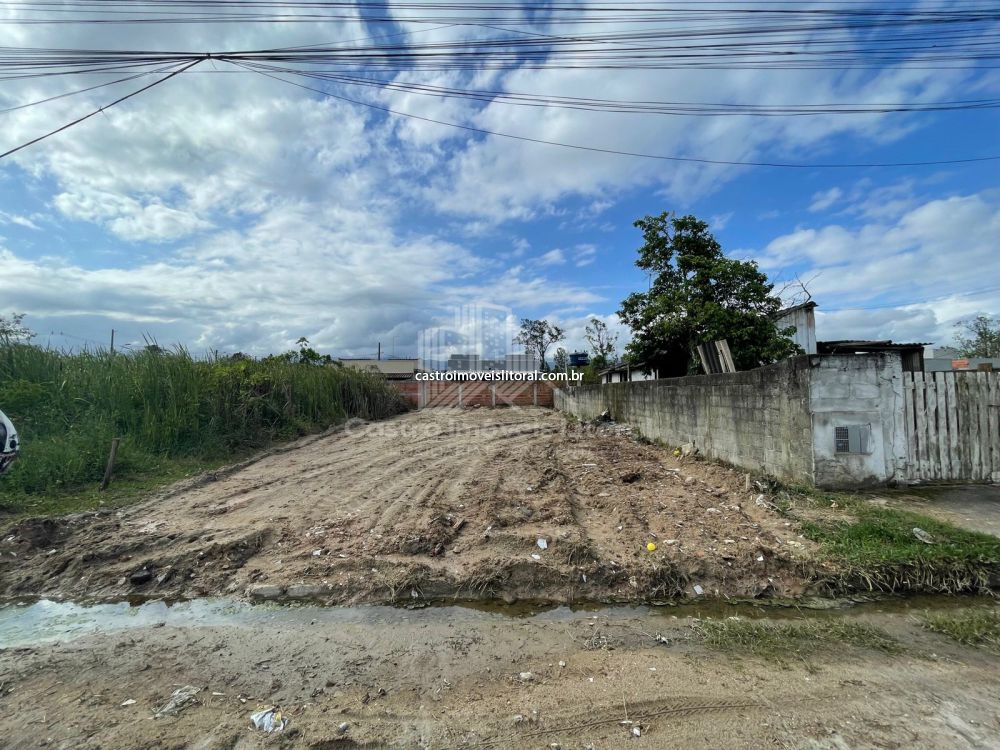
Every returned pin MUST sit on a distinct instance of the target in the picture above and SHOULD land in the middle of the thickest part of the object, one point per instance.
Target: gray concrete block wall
(779, 419)
(757, 419)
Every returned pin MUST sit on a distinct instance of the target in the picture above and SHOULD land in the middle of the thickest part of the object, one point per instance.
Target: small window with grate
(854, 438)
(843, 440)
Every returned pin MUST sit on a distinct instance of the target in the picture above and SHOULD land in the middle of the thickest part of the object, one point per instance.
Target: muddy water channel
(99, 675)
(47, 621)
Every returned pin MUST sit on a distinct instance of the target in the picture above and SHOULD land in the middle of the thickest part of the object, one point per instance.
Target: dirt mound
(510, 503)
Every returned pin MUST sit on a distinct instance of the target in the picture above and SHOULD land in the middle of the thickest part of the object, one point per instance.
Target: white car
(8, 443)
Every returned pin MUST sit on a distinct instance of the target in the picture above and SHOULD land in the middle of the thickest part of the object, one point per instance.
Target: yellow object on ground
(651, 547)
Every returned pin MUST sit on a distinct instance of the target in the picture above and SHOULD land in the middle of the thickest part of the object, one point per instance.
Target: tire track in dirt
(444, 501)
(570, 724)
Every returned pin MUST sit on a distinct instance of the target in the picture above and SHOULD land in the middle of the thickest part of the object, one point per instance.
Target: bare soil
(432, 504)
(438, 678)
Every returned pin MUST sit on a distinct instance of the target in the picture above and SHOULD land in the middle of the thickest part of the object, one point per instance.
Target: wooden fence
(953, 425)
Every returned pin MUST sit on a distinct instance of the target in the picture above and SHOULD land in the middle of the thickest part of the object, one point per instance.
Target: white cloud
(497, 178)
(823, 200)
(909, 277)
(23, 221)
(718, 222)
(554, 257)
(584, 255)
(253, 212)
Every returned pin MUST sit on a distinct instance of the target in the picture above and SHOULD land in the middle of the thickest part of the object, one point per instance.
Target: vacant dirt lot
(432, 504)
(451, 678)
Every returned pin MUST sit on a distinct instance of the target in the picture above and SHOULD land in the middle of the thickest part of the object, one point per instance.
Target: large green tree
(561, 360)
(536, 336)
(980, 337)
(697, 295)
(13, 330)
(602, 342)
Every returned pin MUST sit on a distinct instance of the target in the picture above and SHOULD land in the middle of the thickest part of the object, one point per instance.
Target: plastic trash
(542, 544)
(180, 699)
(651, 546)
(922, 535)
(698, 590)
(269, 720)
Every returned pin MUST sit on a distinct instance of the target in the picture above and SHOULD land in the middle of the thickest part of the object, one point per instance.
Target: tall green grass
(67, 407)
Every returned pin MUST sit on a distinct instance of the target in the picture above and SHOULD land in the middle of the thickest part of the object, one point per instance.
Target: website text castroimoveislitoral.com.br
(487, 376)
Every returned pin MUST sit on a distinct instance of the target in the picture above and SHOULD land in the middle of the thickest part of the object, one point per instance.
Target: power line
(97, 111)
(617, 152)
(714, 35)
(688, 109)
(79, 91)
(891, 305)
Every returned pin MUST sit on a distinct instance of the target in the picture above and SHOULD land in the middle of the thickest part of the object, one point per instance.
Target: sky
(224, 210)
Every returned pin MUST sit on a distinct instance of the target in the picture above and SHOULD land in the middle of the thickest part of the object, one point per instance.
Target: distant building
(465, 362)
(946, 359)
(394, 369)
(803, 318)
(521, 362)
(579, 359)
(483, 330)
(627, 373)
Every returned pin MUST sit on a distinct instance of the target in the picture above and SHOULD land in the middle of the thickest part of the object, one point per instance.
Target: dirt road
(511, 503)
(440, 504)
(456, 678)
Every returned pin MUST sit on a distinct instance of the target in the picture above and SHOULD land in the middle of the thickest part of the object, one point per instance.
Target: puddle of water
(48, 621)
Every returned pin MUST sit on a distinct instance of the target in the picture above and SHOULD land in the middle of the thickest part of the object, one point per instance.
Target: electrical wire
(509, 35)
(685, 108)
(78, 91)
(617, 152)
(98, 110)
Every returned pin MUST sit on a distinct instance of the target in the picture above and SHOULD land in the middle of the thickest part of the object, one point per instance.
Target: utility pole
(112, 340)
(379, 350)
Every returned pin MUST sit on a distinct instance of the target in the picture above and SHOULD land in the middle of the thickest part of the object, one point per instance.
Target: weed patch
(174, 413)
(877, 550)
(973, 627)
(790, 640)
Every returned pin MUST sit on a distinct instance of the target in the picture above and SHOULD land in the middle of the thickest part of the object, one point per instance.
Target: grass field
(174, 413)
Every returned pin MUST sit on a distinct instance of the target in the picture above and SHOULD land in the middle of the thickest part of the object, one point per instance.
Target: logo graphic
(478, 339)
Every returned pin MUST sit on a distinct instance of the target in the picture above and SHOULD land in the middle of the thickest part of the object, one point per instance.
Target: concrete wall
(758, 419)
(780, 419)
(864, 390)
(385, 366)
